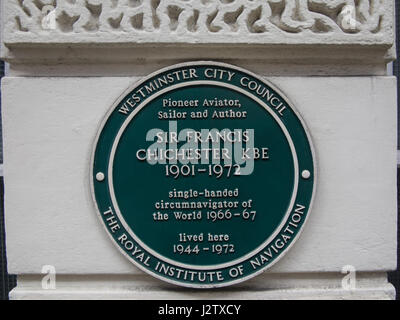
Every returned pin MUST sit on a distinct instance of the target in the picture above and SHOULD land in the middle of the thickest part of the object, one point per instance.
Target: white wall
(50, 125)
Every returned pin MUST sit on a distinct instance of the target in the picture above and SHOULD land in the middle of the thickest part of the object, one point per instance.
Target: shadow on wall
(7, 282)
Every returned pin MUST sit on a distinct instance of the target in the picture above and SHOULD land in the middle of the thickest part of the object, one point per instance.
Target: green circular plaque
(203, 174)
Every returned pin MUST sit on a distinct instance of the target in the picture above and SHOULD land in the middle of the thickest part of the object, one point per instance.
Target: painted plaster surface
(48, 139)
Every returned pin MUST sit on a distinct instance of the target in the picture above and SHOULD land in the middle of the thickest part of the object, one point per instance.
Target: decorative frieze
(198, 21)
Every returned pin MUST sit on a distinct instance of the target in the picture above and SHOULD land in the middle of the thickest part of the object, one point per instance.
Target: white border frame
(226, 65)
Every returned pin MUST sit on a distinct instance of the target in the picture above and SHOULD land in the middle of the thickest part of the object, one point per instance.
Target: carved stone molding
(128, 23)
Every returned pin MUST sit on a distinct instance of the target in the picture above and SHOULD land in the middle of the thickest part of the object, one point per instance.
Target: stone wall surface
(69, 60)
(270, 21)
(352, 220)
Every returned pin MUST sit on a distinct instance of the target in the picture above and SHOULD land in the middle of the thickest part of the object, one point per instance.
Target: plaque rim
(136, 83)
